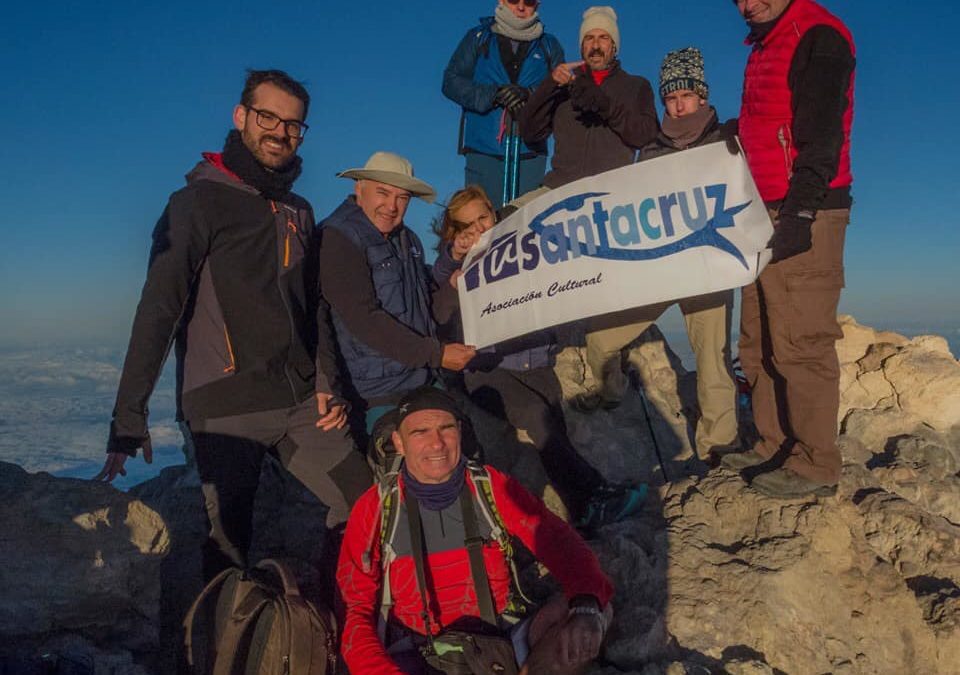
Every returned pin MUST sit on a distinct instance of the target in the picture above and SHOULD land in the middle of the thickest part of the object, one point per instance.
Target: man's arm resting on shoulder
(346, 284)
(178, 249)
(458, 84)
(359, 580)
(819, 80)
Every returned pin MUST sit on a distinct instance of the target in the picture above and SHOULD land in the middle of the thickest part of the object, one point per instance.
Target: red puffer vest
(766, 114)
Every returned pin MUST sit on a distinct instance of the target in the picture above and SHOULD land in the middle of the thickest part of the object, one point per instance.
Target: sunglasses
(528, 3)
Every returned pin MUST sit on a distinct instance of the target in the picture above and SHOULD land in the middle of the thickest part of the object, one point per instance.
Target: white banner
(669, 228)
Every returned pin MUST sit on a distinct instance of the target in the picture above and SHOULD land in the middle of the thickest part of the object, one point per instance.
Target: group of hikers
(313, 343)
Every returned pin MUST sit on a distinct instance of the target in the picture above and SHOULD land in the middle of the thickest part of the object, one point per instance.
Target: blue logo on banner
(610, 234)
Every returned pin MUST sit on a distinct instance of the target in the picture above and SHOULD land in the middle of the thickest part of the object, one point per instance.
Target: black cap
(426, 398)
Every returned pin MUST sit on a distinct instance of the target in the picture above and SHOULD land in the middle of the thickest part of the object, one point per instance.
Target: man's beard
(269, 161)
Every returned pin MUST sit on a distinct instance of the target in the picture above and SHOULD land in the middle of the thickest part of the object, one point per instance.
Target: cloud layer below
(55, 407)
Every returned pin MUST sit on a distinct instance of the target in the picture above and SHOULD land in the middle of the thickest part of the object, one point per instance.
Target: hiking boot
(611, 505)
(787, 484)
(592, 401)
(738, 461)
(716, 454)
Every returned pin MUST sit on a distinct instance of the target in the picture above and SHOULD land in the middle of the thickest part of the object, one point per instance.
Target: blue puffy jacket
(474, 74)
(402, 285)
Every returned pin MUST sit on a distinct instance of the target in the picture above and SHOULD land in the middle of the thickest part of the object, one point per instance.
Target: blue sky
(106, 105)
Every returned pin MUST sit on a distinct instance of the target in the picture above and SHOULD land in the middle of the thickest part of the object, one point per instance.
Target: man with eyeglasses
(230, 282)
(490, 75)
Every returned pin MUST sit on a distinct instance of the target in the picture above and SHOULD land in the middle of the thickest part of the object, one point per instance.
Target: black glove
(512, 97)
(791, 236)
(728, 132)
(126, 443)
(587, 96)
(505, 211)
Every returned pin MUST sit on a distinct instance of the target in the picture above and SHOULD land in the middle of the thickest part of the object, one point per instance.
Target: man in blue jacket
(374, 275)
(490, 75)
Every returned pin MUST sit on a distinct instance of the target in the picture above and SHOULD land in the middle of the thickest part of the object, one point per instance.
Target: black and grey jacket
(231, 281)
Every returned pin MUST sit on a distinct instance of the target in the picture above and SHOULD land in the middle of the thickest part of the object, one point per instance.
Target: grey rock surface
(711, 577)
(78, 556)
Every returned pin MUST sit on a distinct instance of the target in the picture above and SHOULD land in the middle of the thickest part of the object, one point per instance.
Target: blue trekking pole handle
(515, 176)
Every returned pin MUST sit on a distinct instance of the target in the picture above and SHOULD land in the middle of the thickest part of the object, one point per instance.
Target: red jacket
(452, 595)
(766, 114)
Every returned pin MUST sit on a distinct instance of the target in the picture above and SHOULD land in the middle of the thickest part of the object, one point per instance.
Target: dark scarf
(684, 131)
(437, 496)
(273, 184)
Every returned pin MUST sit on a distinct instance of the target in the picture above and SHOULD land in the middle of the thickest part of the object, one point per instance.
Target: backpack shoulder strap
(389, 514)
(214, 586)
(488, 505)
(417, 544)
(478, 569)
(389, 521)
(249, 601)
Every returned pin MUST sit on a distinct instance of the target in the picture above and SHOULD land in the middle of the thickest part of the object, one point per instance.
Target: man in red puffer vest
(795, 122)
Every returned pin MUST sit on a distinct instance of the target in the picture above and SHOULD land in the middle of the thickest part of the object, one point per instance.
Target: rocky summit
(712, 577)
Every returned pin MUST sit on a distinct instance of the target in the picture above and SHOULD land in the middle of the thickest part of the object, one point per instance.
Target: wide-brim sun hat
(392, 169)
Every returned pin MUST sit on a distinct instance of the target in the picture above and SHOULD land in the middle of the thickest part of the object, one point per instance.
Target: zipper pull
(291, 227)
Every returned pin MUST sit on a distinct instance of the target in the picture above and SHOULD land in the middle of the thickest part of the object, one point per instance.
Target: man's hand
(792, 236)
(453, 277)
(112, 467)
(331, 416)
(463, 242)
(587, 96)
(563, 74)
(456, 356)
(512, 97)
(580, 639)
(728, 132)
(117, 458)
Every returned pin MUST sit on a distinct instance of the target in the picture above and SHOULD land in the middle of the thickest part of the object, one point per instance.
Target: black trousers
(530, 400)
(230, 452)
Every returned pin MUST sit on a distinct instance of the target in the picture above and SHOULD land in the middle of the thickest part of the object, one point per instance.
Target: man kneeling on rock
(426, 570)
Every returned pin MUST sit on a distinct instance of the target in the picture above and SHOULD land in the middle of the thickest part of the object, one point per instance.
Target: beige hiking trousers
(708, 328)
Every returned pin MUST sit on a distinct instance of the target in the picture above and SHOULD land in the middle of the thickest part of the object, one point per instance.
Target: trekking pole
(635, 377)
(515, 176)
(507, 170)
